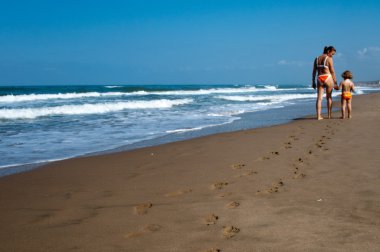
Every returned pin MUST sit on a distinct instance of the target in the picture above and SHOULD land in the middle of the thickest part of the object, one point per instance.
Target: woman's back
(322, 64)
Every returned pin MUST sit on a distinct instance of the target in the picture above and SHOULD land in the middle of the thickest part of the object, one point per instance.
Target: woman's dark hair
(328, 49)
(347, 75)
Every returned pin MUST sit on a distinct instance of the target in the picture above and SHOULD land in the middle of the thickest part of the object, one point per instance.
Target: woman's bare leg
(318, 104)
(329, 87)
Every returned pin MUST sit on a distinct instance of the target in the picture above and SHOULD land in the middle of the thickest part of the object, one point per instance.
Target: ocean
(40, 124)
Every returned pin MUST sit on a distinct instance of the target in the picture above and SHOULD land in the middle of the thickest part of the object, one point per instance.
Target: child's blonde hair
(347, 75)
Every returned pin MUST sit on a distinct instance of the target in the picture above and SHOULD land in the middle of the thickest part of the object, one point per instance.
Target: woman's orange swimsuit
(323, 77)
(346, 95)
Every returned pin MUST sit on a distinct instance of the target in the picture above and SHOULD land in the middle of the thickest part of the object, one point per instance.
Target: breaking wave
(100, 108)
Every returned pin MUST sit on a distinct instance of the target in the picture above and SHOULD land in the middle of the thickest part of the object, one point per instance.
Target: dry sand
(305, 186)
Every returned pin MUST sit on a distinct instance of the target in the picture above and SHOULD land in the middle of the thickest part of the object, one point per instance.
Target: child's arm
(340, 86)
(352, 87)
(336, 87)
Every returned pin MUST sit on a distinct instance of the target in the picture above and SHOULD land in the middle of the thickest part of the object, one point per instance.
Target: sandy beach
(304, 186)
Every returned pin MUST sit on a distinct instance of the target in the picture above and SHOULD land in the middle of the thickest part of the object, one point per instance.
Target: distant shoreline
(368, 83)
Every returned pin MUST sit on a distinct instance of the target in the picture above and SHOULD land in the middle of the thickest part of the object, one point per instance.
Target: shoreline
(306, 185)
(235, 126)
(44, 147)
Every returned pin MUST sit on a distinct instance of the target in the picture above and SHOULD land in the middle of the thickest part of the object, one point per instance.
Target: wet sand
(305, 186)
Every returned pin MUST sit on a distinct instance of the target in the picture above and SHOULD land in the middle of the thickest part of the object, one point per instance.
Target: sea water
(44, 123)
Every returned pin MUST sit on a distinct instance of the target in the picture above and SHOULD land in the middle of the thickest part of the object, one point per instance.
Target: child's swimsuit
(346, 95)
(323, 77)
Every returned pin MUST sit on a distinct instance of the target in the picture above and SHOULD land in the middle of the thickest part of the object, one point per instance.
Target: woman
(326, 79)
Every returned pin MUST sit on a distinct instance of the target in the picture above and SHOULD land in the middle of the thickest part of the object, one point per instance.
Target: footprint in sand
(142, 208)
(298, 175)
(233, 204)
(249, 173)
(275, 153)
(211, 219)
(219, 185)
(230, 231)
(273, 189)
(276, 187)
(70, 194)
(237, 166)
(294, 138)
(212, 250)
(178, 193)
(288, 145)
(64, 217)
(150, 228)
(264, 158)
(224, 195)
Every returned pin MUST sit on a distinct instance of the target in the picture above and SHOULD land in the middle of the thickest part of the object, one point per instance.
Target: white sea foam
(227, 113)
(274, 98)
(112, 86)
(242, 98)
(208, 91)
(272, 88)
(361, 90)
(183, 130)
(358, 91)
(199, 128)
(35, 97)
(99, 108)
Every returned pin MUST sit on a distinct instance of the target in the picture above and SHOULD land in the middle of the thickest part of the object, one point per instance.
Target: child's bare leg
(344, 104)
(349, 108)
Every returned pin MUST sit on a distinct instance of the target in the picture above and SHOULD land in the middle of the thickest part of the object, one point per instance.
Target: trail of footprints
(229, 231)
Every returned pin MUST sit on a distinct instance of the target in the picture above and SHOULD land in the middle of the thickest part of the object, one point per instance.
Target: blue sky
(210, 42)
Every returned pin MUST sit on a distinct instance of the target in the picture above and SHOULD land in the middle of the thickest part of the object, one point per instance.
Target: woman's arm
(314, 85)
(331, 68)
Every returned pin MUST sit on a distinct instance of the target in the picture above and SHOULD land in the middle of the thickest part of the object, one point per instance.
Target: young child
(347, 86)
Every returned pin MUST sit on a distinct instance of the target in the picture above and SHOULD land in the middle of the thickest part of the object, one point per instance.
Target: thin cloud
(297, 63)
(369, 52)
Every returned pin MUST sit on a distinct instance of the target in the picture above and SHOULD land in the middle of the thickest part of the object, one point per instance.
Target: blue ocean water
(45, 123)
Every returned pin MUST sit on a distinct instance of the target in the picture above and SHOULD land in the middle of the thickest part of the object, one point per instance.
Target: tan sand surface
(305, 186)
